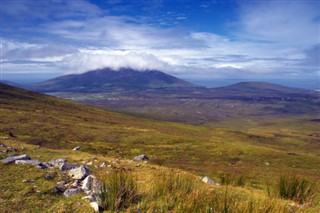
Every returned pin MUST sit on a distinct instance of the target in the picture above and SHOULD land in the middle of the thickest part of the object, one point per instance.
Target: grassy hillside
(257, 157)
(160, 189)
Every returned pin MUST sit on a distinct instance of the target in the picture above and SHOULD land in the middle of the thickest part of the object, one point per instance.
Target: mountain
(259, 88)
(106, 79)
(10, 83)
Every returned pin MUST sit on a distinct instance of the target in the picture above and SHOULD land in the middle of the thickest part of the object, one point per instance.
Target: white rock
(141, 158)
(79, 173)
(61, 182)
(91, 183)
(76, 148)
(208, 180)
(95, 206)
(103, 164)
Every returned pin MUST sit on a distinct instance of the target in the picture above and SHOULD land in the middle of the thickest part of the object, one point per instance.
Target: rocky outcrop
(83, 182)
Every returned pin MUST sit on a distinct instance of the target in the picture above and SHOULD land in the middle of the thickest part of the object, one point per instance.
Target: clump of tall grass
(118, 192)
(185, 193)
(228, 179)
(298, 189)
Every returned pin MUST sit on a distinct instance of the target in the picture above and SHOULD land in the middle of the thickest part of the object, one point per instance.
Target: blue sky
(208, 39)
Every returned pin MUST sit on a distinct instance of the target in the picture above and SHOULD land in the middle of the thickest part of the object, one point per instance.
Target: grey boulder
(76, 148)
(208, 180)
(79, 173)
(141, 158)
(71, 192)
(65, 166)
(55, 163)
(28, 162)
(9, 160)
(91, 183)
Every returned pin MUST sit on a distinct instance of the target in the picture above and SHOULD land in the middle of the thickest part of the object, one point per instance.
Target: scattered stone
(12, 159)
(91, 197)
(78, 204)
(208, 180)
(138, 165)
(71, 192)
(55, 163)
(96, 207)
(11, 149)
(28, 181)
(76, 184)
(79, 173)
(62, 182)
(103, 165)
(91, 183)
(59, 189)
(141, 158)
(2, 145)
(267, 163)
(89, 163)
(109, 165)
(50, 175)
(292, 153)
(28, 162)
(76, 148)
(65, 166)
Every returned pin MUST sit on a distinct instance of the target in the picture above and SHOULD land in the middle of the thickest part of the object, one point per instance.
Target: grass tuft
(118, 192)
(298, 189)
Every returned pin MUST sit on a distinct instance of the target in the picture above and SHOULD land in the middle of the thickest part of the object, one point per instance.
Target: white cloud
(15, 50)
(90, 59)
(273, 38)
(284, 22)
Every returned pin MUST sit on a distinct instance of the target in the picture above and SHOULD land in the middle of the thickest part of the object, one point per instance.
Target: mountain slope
(108, 79)
(56, 123)
(48, 128)
(263, 89)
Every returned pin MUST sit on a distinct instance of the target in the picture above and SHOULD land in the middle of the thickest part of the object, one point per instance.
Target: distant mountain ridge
(261, 86)
(107, 79)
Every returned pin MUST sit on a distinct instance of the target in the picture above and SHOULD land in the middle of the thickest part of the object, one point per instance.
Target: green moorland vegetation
(249, 165)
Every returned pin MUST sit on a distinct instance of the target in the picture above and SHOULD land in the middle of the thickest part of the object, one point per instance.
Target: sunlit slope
(56, 123)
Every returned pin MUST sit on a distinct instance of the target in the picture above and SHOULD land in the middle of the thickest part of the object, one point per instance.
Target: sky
(199, 40)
